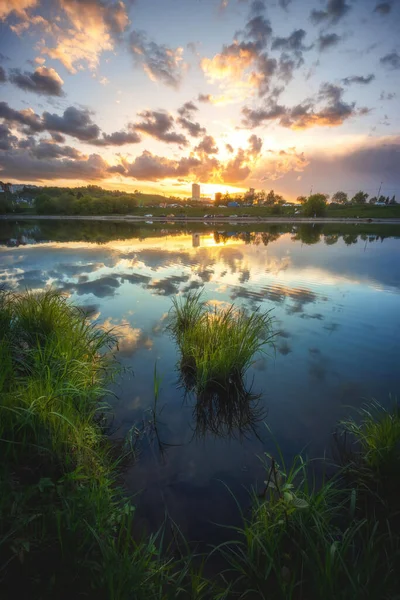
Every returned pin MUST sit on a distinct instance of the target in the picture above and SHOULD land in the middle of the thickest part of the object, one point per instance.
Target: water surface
(335, 295)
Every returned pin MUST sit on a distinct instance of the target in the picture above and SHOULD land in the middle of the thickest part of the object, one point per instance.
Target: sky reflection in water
(336, 309)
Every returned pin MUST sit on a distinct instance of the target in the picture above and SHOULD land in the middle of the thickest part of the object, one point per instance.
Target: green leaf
(299, 503)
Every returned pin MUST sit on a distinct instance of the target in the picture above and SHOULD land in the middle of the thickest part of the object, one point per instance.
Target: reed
(216, 345)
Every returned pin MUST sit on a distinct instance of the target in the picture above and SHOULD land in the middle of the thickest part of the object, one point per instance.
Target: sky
(290, 95)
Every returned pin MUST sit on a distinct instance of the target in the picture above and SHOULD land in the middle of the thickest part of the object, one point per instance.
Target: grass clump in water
(217, 345)
(65, 529)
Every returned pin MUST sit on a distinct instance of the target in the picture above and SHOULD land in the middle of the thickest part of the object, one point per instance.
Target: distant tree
(301, 199)
(218, 199)
(270, 198)
(373, 200)
(250, 196)
(260, 197)
(360, 198)
(393, 200)
(315, 205)
(45, 204)
(340, 197)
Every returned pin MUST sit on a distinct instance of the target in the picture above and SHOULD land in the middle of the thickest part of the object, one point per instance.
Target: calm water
(336, 300)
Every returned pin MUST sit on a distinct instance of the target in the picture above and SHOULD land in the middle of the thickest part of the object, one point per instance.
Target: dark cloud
(305, 115)
(327, 40)
(27, 117)
(335, 10)
(284, 4)
(75, 122)
(118, 138)
(159, 124)
(294, 42)
(391, 60)
(160, 62)
(255, 144)
(150, 167)
(7, 140)
(192, 127)
(45, 149)
(207, 145)
(229, 148)
(3, 76)
(44, 81)
(255, 117)
(387, 96)
(359, 79)
(187, 109)
(23, 166)
(258, 30)
(287, 66)
(57, 137)
(206, 98)
(383, 8)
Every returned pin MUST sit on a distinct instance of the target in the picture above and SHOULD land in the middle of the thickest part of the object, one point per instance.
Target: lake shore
(190, 219)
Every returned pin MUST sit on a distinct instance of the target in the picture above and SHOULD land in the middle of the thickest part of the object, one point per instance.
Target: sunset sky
(157, 94)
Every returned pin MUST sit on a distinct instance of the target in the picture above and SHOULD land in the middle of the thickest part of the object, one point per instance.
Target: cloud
(229, 148)
(294, 42)
(94, 25)
(284, 4)
(23, 166)
(158, 124)
(192, 127)
(44, 81)
(27, 117)
(358, 79)
(187, 109)
(150, 167)
(255, 144)
(75, 122)
(3, 76)
(118, 138)
(206, 98)
(7, 140)
(305, 115)
(46, 149)
(18, 7)
(334, 11)
(276, 165)
(327, 40)
(391, 60)
(207, 145)
(160, 62)
(383, 8)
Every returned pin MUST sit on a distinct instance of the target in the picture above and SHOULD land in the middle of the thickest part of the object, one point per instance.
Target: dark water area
(335, 295)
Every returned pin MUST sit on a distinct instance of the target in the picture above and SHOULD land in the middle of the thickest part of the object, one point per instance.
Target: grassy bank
(65, 529)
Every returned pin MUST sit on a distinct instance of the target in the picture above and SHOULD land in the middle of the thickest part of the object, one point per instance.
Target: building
(218, 197)
(195, 191)
(195, 240)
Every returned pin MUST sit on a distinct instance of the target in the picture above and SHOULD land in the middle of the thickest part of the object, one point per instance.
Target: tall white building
(195, 191)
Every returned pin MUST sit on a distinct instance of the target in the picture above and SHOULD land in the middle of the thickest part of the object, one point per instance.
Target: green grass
(217, 345)
(314, 537)
(65, 528)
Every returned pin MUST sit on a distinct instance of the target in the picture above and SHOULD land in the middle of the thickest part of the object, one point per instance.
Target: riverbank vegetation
(316, 529)
(93, 200)
(65, 527)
